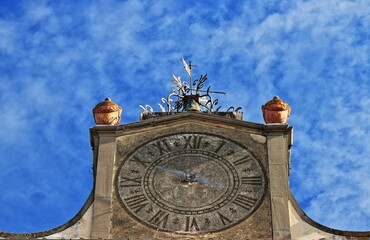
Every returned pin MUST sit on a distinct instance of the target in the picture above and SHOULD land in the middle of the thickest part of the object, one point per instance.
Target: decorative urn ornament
(276, 111)
(107, 113)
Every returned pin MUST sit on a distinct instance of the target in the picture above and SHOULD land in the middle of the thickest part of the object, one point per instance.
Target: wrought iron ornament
(190, 96)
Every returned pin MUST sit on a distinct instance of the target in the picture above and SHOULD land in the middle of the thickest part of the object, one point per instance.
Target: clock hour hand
(209, 182)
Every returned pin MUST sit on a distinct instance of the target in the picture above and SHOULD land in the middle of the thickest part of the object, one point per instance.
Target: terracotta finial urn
(276, 111)
(107, 113)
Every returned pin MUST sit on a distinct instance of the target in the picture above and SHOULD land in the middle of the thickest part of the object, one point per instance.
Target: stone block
(278, 171)
(280, 214)
(277, 149)
(103, 185)
(279, 188)
(101, 218)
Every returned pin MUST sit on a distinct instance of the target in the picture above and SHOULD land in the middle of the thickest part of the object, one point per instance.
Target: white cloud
(59, 60)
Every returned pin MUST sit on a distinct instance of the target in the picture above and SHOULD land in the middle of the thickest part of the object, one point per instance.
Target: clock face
(190, 183)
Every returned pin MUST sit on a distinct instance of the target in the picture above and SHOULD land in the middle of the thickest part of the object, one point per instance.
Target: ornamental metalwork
(189, 96)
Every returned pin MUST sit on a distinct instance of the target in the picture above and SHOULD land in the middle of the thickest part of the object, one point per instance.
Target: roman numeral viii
(137, 202)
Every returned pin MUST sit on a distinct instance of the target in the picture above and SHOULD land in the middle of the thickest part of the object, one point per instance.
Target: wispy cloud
(58, 59)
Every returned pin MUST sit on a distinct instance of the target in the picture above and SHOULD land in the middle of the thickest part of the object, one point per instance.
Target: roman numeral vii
(160, 218)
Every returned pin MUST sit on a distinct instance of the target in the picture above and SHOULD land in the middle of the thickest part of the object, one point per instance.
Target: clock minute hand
(174, 172)
(185, 175)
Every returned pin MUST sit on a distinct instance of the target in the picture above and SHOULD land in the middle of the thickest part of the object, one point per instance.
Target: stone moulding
(153, 115)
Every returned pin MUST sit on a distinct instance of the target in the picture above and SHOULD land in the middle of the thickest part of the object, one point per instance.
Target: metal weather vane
(190, 96)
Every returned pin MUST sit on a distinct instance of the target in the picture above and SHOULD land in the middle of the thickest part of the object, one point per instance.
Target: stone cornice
(193, 117)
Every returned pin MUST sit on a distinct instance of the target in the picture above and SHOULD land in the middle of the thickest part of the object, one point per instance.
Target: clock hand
(191, 177)
(209, 182)
(174, 172)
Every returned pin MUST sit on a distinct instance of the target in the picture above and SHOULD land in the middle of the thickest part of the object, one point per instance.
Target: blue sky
(58, 59)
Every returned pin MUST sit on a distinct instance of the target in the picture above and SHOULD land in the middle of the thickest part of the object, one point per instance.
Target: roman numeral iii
(255, 180)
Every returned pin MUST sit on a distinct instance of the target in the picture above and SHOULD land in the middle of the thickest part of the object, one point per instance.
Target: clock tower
(191, 171)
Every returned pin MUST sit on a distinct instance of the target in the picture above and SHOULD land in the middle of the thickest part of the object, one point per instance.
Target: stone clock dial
(190, 183)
